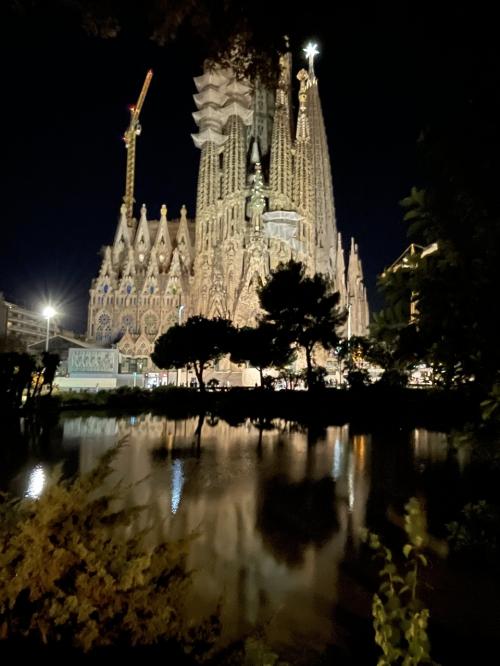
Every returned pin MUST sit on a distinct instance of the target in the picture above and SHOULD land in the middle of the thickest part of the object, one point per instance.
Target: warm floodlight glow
(48, 312)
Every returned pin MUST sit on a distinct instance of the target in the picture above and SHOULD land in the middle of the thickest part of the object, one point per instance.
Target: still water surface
(276, 507)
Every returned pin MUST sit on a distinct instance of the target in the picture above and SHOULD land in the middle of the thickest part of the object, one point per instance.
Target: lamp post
(48, 312)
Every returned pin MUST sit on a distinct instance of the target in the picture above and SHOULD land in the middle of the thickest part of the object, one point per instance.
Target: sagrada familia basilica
(264, 196)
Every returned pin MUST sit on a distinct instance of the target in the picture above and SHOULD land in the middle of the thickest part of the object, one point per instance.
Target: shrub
(399, 620)
(70, 575)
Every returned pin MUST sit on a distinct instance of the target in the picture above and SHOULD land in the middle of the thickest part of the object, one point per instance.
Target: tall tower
(280, 171)
(324, 203)
(358, 315)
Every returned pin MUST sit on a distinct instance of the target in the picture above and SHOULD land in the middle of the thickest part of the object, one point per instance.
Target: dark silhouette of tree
(196, 344)
(50, 364)
(16, 371)
(23, 372)
(262, 347)
(230, 33)
(454, 288)
(303, 310)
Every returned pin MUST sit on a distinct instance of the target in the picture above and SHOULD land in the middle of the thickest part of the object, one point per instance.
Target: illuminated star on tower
(311, 50)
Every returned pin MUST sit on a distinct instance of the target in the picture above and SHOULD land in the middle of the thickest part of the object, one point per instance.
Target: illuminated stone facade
(264, 195)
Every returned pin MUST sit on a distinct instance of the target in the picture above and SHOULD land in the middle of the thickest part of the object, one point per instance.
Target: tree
(228, 33)
(23, 372)
(261, 347)
(303, 310)
(196, 344)
(456, 286)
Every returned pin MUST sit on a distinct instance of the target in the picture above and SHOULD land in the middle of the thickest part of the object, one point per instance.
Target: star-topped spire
(311, 50)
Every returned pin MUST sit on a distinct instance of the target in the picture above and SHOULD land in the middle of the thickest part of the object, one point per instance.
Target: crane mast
(130, 136)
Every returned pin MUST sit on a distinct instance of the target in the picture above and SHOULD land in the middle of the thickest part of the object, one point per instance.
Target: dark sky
(65, 109)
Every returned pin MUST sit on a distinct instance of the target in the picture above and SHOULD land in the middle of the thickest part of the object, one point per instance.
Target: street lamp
(48, 312)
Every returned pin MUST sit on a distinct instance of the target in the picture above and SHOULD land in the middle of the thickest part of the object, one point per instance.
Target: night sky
(65, 109)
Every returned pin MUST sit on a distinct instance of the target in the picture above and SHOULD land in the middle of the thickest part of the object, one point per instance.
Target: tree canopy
(196, 344)
(303, 310)
(456, 287)
(262, 347)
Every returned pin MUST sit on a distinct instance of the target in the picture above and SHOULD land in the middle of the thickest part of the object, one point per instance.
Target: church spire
(302, 176)
(122, 235)
(358, 320)
(280, 173)
(163, 244)
(237, 114)
(324, 204)
(209, 101)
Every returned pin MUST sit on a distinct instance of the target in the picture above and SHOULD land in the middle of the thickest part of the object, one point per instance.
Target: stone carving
(93, 360)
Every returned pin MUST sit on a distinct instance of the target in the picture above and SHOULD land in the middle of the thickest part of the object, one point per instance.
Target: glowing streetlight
(48, 312)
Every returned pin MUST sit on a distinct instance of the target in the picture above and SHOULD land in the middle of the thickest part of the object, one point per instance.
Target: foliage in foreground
(70, 574)
(399, 620)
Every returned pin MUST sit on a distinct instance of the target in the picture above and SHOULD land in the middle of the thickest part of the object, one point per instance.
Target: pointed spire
(210, 138)
(142, 239)
(122, 235)
(255, 154)
(302, 178)
(325, 224)
(234, 156)
(162, 245)
(280, 171)
(183, 239)
(356, 294)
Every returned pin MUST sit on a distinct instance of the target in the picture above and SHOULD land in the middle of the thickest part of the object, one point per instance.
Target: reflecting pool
(276, 508)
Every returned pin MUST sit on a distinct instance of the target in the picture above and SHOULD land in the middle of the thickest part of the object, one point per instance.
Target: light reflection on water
(36, 482)
(275, 508)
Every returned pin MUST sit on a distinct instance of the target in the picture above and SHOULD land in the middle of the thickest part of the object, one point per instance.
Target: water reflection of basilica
(273, 509)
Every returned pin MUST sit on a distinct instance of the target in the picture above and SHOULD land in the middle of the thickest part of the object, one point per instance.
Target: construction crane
(133, 131)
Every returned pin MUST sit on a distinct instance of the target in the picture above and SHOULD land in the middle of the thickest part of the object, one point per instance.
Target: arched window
(103, 331)
(150, 323)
